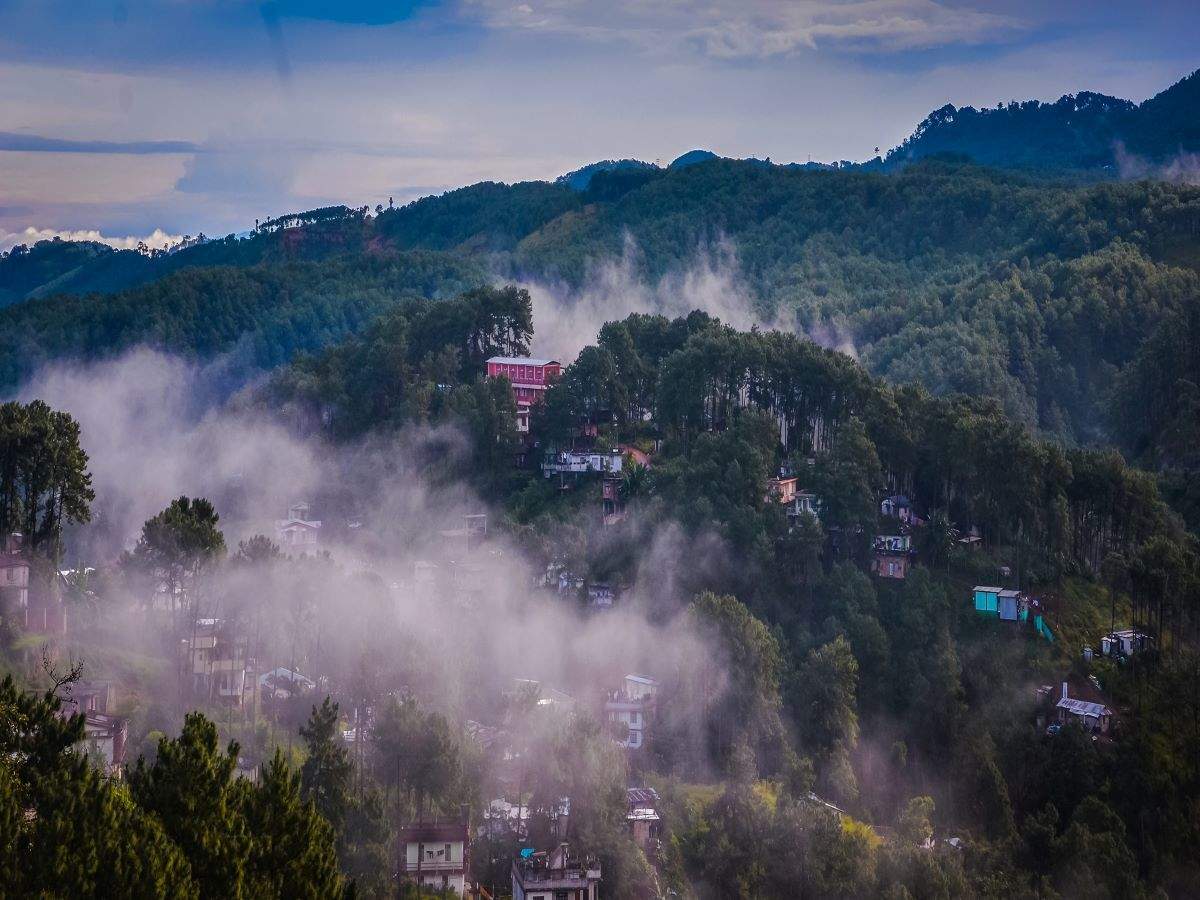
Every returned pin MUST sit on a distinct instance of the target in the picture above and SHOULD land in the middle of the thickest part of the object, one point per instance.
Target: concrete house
(557, 874)
(104, 735)
(437, 854)
(298, 531)
(897, 506)
(216, 655)
(645, 823)
(633, 705)
(530, 378)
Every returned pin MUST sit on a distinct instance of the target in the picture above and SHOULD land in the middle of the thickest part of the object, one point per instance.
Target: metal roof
(1084, 708)
(988, 590)
(521, 361)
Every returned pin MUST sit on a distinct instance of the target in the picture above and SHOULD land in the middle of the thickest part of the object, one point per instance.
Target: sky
(123, 120)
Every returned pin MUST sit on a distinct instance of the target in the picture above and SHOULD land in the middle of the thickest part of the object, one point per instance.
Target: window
(448, 855)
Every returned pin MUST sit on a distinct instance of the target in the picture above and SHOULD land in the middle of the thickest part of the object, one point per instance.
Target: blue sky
(126, 116)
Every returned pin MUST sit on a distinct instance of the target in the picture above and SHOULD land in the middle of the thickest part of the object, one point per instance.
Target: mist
(391, 597)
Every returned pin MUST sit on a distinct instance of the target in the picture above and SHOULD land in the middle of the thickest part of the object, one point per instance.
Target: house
(612, 503)
(283, 684)
(556, 874)
(601, 595)
(104, 741)
(36, 604)
(578, 463)
(14, 582)
(104, 735)
(893, 543)
(467, 538)
(987, 599)
(1094, 717)
(529, 379)
(782, 490)
(786, 491)
(216, 656)
(892, 555)
(1125, 643)
(890, 565)
(645, 823)
(897, 506)
(805, 503)
(297, 531)
(545, 697)
(1008, 605)
(505, 820)
(633, 705)
(437, 854)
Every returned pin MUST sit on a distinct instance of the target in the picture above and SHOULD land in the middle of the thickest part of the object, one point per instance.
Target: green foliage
(190, 790)
(1078, 131)
(276, 310)
(44, 481)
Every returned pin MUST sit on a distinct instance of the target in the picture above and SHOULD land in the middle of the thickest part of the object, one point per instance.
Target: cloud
(31, 235)
(35, 143)
(757, 29)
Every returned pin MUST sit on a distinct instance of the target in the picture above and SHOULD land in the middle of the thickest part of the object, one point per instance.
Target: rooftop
(434, 833)
(1084, 708)
(522, 361)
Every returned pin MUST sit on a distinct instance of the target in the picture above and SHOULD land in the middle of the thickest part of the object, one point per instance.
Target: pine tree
(189, 789)
(293, 853)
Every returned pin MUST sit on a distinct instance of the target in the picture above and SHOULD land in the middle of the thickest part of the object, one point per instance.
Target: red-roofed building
(529, 378)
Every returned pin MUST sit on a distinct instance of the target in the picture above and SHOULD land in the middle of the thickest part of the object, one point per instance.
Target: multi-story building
(216, 656)
(529, 378)
(556, 874)
(35, 603)
(104, 735)
(298, 531)
(437, 854)
(633, 705)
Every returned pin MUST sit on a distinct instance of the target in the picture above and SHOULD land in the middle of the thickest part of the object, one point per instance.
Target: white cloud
(31, 235)
(755, 29)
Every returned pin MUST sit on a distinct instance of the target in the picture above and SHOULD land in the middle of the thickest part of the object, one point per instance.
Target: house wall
(986, 601)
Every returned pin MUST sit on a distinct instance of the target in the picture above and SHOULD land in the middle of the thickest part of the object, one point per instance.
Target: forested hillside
(1083, 132)
(274, 311)
(897, 689)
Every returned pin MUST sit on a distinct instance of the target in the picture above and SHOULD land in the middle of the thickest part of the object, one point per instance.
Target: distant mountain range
(1086, 135)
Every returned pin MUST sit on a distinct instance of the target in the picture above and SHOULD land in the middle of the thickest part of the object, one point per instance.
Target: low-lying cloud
(156, 239)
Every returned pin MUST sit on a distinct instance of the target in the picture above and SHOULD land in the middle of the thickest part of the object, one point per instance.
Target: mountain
(580, 178)
(67, 267)
(691, 158)
(1085, 131)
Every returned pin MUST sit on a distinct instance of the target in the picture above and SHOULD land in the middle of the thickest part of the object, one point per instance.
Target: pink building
(529, 377)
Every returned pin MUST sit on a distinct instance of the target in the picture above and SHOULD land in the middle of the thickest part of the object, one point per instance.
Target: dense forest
(1050, 298)
(840, 734)
(1084, 131)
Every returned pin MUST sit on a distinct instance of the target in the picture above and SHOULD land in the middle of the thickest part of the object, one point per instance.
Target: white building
(437, 855)
(632, 705)
(297, 531)
(569, 462)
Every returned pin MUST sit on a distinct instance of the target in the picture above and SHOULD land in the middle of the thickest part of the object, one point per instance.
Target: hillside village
(478, 693)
